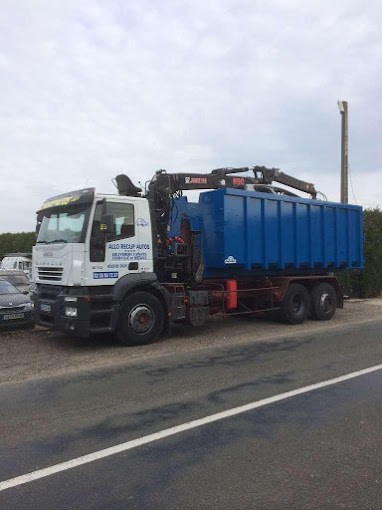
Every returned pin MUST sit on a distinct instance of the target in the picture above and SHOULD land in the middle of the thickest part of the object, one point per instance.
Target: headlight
(70, 312)
(29, 306)
(70, 299)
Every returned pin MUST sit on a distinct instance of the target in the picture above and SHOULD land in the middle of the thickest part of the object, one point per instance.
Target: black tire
(323, 302)
(296, 304)
(141, 319)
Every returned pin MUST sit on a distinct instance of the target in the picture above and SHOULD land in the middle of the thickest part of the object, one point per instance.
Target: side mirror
(39, 221)
(107, 223)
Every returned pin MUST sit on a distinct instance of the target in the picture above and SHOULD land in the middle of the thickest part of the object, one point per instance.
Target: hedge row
(20, 242)
(369, 282)
(366, 284)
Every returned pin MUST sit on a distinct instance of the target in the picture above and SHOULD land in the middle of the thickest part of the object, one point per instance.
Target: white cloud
(91, 89)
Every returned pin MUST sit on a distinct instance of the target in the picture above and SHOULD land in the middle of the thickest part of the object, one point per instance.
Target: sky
(92, 89)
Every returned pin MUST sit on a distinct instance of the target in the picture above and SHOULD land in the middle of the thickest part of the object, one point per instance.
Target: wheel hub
(325, 301)
(297, 303)
(141, 319)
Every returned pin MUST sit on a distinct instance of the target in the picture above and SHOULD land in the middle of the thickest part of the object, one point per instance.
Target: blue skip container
(251, 233)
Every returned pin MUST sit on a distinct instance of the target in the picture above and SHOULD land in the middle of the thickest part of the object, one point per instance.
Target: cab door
(114, 253)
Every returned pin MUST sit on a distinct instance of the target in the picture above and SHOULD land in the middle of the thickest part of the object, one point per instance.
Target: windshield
(16, 280)
(64, 225)
(7, 288)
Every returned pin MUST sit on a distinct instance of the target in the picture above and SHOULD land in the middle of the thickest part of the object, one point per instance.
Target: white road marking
(129, 445)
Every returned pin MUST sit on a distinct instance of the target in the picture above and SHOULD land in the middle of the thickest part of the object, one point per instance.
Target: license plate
(11, 316)
(45, 308)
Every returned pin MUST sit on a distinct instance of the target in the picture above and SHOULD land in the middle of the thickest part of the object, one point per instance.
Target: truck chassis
(293, 298)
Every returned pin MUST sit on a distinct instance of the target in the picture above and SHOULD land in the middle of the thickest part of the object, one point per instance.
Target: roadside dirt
(39, 354)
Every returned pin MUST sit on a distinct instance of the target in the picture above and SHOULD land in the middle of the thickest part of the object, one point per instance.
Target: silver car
(16, 309)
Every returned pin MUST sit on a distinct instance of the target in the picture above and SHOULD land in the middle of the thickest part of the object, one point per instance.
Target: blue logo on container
(100, 275)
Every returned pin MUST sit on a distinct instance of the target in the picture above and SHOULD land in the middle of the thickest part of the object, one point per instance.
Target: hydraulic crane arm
(274, 174)
(169, 184)
(266, 176)
(223, 178)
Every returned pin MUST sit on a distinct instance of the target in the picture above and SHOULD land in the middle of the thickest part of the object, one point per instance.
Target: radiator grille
(50, 274)
(9, 309)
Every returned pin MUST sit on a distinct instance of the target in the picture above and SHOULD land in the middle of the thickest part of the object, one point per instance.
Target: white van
(16, 262)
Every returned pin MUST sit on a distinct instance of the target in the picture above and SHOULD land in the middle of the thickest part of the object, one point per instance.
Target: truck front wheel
(323, 302)
(295, 306)
(141, 319)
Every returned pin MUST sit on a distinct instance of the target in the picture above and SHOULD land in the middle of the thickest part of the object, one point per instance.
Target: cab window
(123, 215)
(123, 227)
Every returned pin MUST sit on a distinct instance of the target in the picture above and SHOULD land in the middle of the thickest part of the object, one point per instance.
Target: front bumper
(94, 310)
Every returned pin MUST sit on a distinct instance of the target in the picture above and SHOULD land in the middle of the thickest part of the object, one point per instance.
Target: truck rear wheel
(323, 302)
(141, 320)
(295, 306)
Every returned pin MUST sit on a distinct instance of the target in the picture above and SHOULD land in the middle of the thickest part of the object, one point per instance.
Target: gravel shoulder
(40, 354)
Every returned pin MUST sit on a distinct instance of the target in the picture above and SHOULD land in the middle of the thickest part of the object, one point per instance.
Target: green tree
(19, 242)
(368, 283)
(371, 276)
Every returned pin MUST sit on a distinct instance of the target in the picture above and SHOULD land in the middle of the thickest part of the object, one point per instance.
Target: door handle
(133, 266)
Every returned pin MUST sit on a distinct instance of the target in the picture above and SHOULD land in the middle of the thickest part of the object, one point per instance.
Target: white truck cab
(74, 247)
(87, 242)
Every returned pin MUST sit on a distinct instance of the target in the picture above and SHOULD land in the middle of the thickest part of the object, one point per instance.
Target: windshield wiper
(51, 242)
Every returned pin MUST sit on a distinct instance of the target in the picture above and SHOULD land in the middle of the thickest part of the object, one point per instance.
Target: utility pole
(343, 106)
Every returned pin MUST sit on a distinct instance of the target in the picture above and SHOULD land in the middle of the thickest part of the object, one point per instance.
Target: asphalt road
(320, 449)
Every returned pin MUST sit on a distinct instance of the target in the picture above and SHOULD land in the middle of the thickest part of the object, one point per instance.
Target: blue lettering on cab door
(99, 275)
(128, 251)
